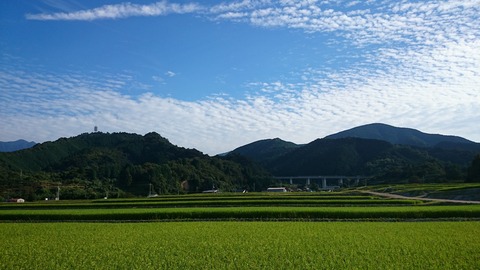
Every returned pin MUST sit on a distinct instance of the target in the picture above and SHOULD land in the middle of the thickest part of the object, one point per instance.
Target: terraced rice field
(293, 206)
(231, 231)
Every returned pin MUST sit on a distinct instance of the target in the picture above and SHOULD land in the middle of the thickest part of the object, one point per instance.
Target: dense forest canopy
(97, 165)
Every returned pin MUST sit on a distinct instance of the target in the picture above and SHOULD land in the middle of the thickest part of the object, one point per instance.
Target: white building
(276, 189)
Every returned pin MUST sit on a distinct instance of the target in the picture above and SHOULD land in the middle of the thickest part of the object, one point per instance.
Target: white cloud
(422, 72)
(436, 91)
(370, 23)
(170, 74)
(237, 5)
(118, 11)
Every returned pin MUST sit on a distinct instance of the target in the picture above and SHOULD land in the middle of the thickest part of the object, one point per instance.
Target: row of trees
(102, 175)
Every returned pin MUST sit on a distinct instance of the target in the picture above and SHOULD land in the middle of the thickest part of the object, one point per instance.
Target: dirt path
(396, 196)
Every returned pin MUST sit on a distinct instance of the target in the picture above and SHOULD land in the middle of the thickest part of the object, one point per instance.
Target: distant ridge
(404, 136)
(15, 145)
(386, 153)
(345, 156)
(265, 150)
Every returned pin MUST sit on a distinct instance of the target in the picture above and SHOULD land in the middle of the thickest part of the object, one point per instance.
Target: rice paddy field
(241, 245)
(240, 231)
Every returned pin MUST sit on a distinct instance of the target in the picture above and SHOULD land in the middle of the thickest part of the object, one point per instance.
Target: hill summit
(398, 135)
(95, 165)
(386, 153)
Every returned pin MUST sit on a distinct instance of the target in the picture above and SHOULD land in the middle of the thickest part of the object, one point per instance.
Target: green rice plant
(207, 200)
(241, 245)
(245, 213)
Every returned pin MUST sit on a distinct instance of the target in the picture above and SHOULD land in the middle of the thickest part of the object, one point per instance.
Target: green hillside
(405, 136)
(120, 164)
(95, 165)
(382, 161)
(265, 151)
(385, 153)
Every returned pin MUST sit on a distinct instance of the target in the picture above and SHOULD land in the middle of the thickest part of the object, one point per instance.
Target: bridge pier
(342, 180)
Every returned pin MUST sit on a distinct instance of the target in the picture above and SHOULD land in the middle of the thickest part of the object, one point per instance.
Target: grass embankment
(241, 245)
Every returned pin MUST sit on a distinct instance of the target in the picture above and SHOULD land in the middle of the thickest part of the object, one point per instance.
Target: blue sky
(215, 75)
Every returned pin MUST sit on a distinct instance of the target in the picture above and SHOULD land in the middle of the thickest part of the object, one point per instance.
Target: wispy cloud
(369, 23)
(419, 67)
(118, 11)
(435, 92)
(170, 74)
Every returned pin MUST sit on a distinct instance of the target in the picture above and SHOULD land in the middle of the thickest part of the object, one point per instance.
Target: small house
(276, 189)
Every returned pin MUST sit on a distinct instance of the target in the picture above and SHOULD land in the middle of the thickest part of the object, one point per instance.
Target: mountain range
(406, 136)
(385, 152)
(91, 165)
(436, 144)
(15, 145)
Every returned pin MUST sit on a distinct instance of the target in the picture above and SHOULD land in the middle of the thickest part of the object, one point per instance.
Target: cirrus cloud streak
(118, 11)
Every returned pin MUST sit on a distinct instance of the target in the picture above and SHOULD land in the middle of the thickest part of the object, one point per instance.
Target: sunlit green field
(288, 206)
(241, 245)
(226, 231)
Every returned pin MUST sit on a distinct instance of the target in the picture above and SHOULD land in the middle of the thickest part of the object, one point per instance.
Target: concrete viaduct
(337, 179)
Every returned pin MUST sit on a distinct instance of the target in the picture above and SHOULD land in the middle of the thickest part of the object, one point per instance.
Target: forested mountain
(384, 152)
(381, 160)
(329, 157)
(265, 151)
(120, 164)
(15, 146)
(405, 136)
(94, 165)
